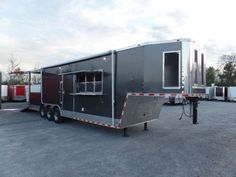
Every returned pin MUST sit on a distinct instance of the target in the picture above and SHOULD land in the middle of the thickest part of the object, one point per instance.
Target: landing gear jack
(145, 127)
(125, 132)
(193, 104)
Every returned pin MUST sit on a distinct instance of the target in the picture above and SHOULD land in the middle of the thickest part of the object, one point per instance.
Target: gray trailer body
(96, 89)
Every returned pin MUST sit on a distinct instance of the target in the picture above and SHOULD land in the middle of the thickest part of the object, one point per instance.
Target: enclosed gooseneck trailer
(125, 87)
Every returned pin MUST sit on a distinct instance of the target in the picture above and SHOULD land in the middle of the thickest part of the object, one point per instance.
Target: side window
(196, 66)
(98, 82)
(202, 68)
(171, 61)
(80, 83)
(90, 82)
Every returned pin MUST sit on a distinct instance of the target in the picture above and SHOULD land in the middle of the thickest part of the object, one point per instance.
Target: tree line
(15, 75)
(224, 74)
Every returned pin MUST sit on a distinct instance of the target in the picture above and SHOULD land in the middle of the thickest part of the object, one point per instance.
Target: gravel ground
(14, 105)
(34, 147)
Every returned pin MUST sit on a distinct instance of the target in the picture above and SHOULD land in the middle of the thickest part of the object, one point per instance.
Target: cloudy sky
(45, 32)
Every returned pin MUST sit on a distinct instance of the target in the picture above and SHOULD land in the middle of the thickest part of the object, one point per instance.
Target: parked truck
(125, 87)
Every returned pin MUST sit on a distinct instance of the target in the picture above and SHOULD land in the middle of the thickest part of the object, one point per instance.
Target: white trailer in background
(4, 94)
(232, 93)
(209, 93)
(220, 93)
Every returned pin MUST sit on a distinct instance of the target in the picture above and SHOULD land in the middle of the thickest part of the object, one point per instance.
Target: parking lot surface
(34, 147)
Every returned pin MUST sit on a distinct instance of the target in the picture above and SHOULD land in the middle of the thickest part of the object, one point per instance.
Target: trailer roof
(118, 50)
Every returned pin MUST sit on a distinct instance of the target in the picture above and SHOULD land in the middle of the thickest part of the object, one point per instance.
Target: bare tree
(226, 59)
(14, 62)
(16, 75)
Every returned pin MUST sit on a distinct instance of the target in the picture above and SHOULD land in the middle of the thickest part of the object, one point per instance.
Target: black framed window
(90, 82)
(171, 70)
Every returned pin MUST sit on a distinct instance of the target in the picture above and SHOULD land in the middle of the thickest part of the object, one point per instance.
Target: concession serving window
(89, 83)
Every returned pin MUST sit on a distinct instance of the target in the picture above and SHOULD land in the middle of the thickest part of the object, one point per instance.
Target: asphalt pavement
(34, 147)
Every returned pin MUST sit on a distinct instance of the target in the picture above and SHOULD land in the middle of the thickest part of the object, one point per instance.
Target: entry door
(68, 95)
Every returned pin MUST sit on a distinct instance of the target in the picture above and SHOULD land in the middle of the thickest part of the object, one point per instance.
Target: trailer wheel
(57, 115)
(42, 111)
(49, 113)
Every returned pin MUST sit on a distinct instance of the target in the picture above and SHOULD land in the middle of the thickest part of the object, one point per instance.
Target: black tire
(42, 111)
(49, 113)
(57, 115)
